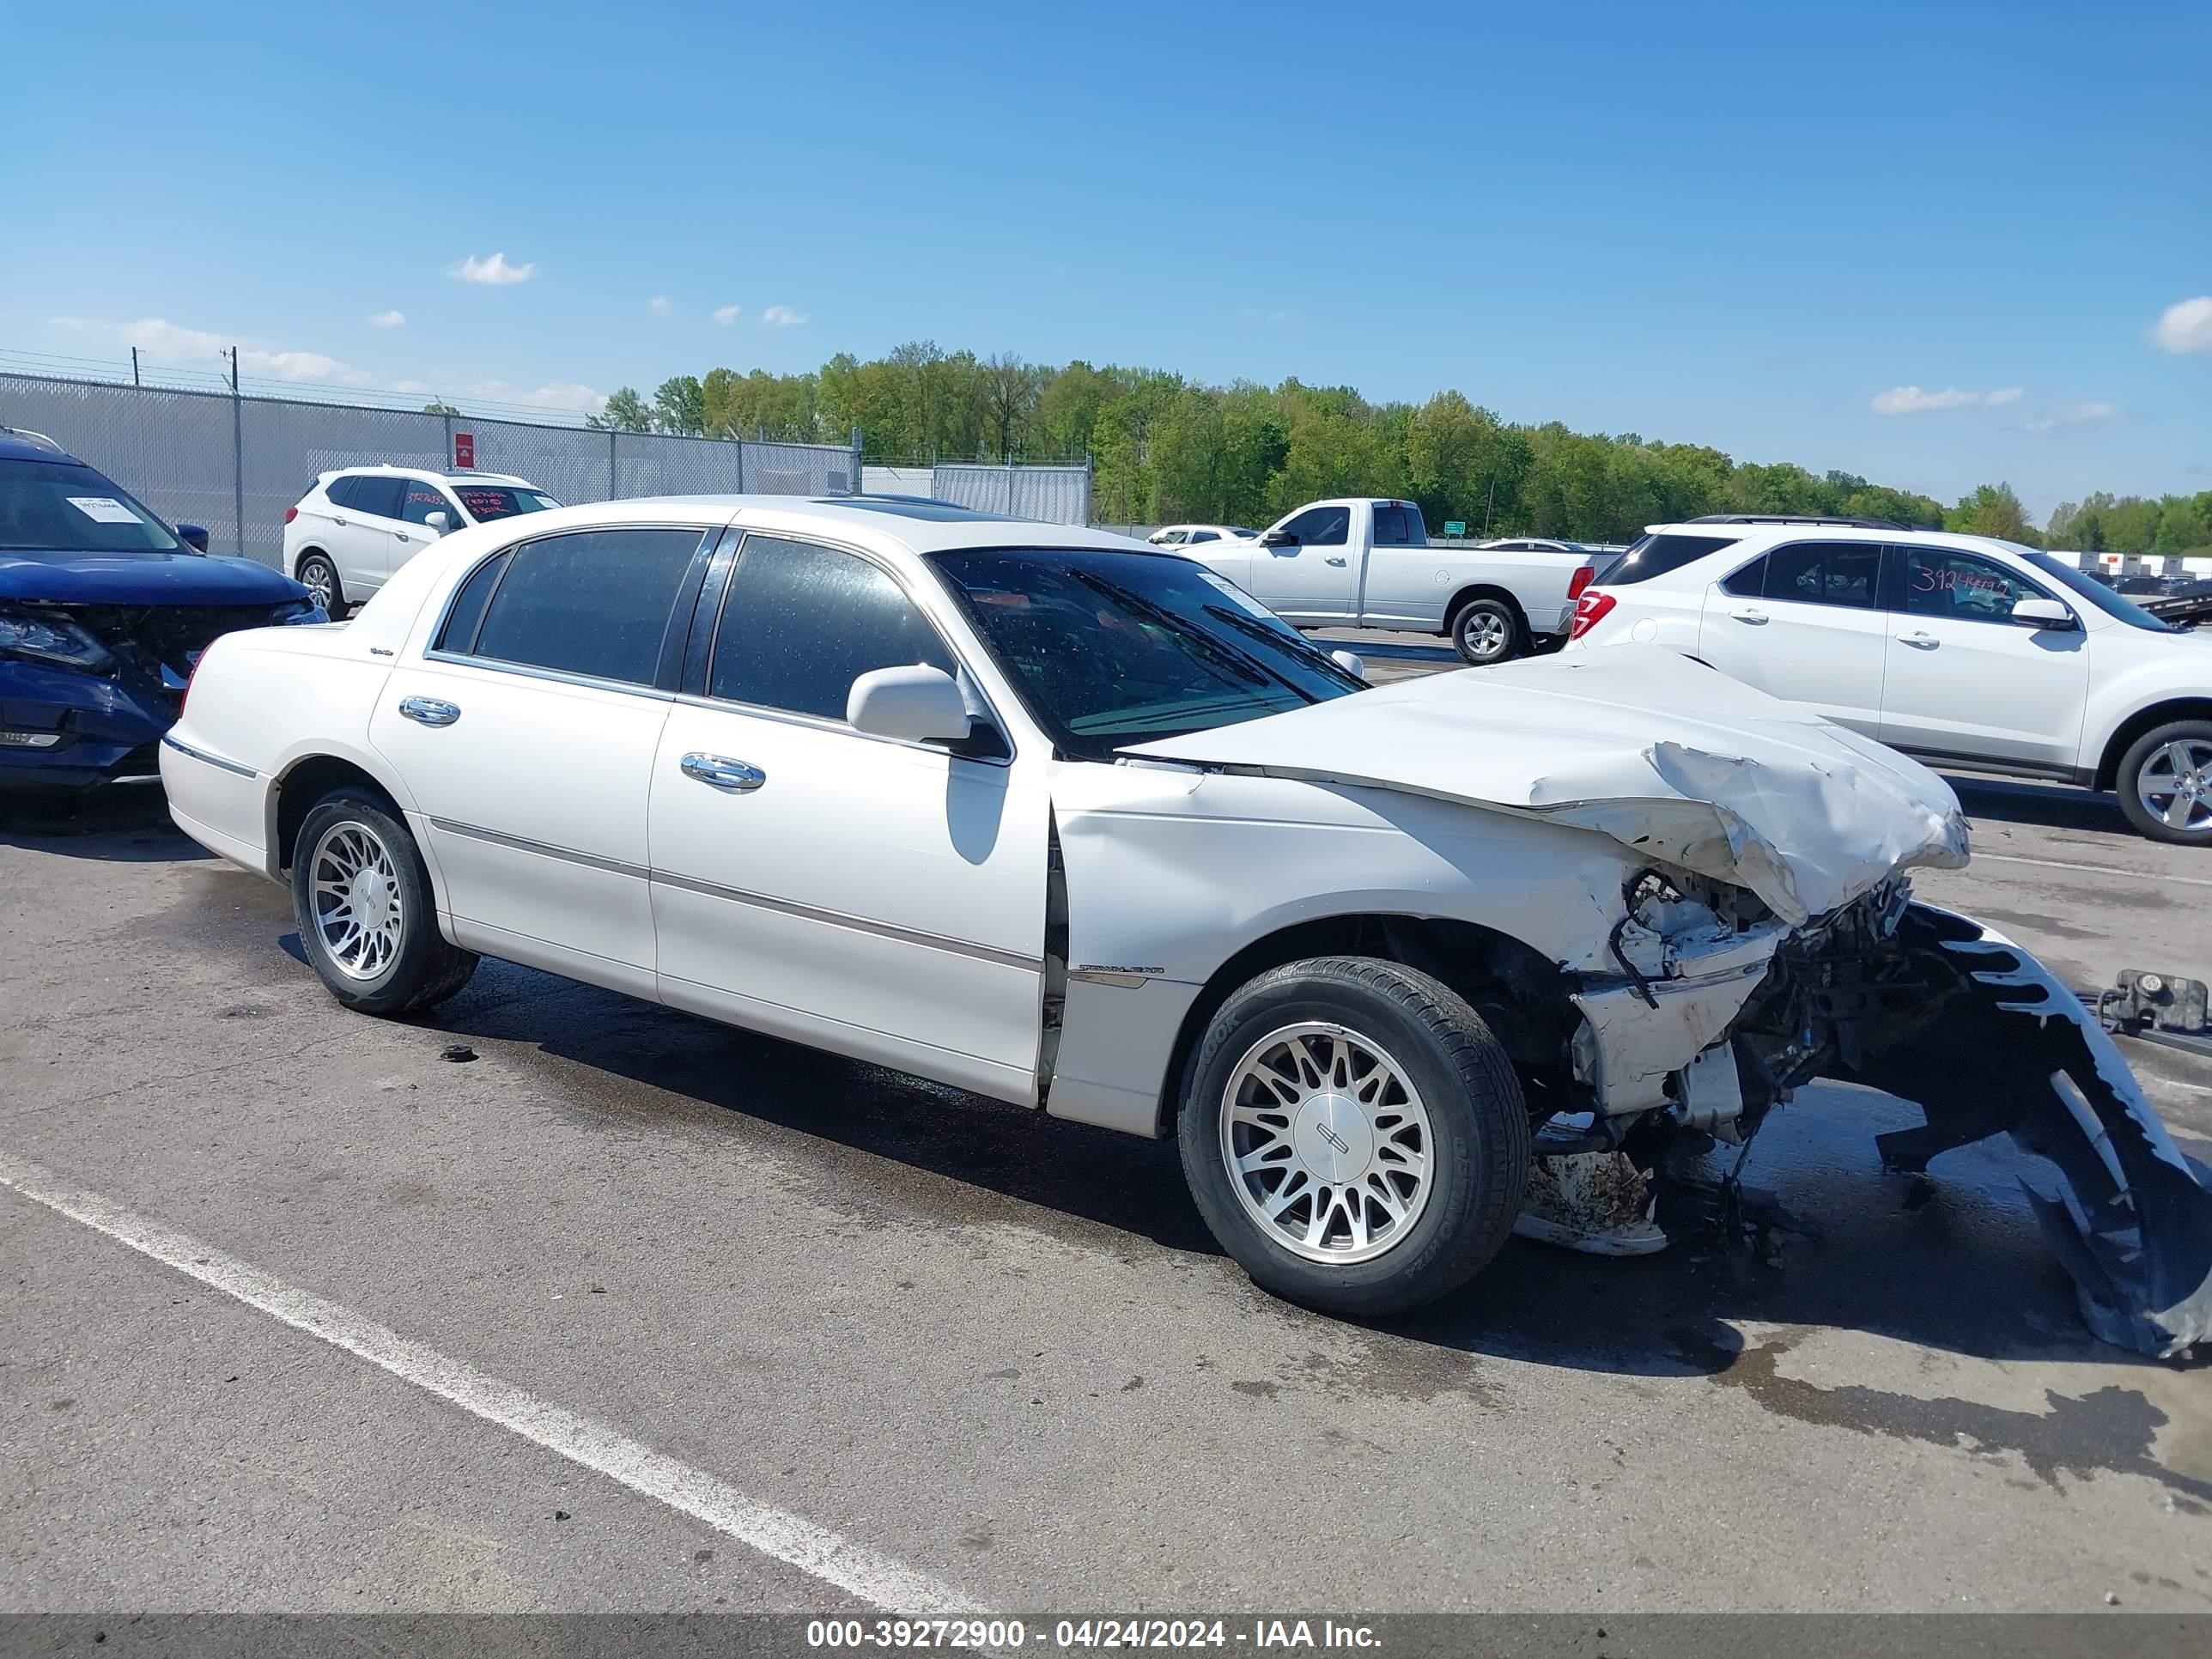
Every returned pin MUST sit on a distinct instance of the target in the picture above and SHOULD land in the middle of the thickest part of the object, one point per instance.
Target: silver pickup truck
(1359, 563)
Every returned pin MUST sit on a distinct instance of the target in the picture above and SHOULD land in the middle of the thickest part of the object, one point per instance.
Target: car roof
(1747, 533)
(385, 470)
(17, 446)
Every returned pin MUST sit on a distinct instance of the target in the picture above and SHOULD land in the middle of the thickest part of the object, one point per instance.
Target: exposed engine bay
(1921, 1003)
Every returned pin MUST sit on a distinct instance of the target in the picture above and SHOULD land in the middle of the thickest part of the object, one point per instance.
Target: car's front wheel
(1486, 631)
(368, 918)
(320, 578)
(2165, 783)
(1354, 1135)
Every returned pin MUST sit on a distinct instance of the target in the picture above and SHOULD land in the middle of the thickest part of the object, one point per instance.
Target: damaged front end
(1903, 997)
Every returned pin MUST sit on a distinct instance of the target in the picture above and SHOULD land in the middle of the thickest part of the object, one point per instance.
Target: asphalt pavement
(631, 1311)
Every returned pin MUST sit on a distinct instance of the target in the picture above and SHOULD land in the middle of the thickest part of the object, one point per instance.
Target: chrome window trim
(822, 722)
(557, 676)
(524, 844)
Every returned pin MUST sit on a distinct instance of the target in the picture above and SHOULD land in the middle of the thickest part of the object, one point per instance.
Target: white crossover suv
(1959, 650)
(1074, 822)
(344, 537)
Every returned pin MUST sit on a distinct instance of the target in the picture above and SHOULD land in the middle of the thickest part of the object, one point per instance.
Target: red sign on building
(465, 449)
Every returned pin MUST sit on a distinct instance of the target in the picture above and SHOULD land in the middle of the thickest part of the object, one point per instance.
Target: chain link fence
(234, 463)
(1052, 495)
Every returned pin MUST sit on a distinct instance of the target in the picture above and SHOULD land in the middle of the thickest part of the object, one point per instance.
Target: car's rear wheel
(320, 578)
(368, 918)
(2165, 783)
(1354, 1136)
(1486, 631)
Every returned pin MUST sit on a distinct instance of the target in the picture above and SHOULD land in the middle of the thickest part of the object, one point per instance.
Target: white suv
(1960, 650)
(357, 525)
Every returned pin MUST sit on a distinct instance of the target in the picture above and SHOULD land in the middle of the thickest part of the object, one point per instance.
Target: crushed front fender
(2014, 1050)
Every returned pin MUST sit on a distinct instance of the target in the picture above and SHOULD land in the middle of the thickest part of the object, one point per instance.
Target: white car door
(880, 898)
(1308, 574)
(1804, 621)
(525, 727)
(419, 499)
(367, 520)
(1965, 680)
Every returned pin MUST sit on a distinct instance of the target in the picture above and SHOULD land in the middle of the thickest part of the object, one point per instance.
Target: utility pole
(134, 365)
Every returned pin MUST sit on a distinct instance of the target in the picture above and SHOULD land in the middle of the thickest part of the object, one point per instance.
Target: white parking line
(788, 1538)
(2093, 869)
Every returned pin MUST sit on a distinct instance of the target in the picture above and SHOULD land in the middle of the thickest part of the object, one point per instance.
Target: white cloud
(782, 317)
(162, 341)
(583, 399)
(658, 303)
(1911, 400)
(725, 315)
(2185, 326)
(2079, 415)
(494, 272)
(2006, 394)
(388, 319)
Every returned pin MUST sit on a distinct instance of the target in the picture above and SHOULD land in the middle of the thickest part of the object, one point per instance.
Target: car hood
(1671, 758)
(141, 579)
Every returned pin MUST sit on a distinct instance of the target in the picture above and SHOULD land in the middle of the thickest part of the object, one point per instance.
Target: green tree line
(1165, 447)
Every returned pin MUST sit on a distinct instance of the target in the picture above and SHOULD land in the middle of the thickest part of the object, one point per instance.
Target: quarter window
(1962, 586)
(802, 623)
(459, 633)
(1320, 527)
(1845, 573)
(1654, 556)
(596, 603)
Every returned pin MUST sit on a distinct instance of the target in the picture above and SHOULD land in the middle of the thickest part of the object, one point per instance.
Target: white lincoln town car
(1054, 816)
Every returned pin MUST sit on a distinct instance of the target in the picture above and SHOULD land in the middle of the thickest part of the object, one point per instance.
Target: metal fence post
(854, 481)
(237, 454)
(740, 443)
(612, 492)
(1087, 472)
(1009, 489)
(446, 464)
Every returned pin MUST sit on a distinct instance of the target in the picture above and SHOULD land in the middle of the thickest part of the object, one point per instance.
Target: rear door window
(802, 623)
(595, 603)
(1395, 525)
(1846, 573)
(378, 496)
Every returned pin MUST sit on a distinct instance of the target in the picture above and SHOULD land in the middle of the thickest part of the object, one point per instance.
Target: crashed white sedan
(1050, 816)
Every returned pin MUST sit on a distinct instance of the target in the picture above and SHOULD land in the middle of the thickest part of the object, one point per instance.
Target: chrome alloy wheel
(2175, 784)
(1484, 635)
(320, 581)
(1327, 1143)
(356, 899)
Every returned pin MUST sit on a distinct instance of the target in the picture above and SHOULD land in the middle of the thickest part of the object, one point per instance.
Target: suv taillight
(1582, 580)
(1589, 611)
(290, 513)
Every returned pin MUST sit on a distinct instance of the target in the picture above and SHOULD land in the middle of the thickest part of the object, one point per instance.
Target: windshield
(1110, 648)
(2095, 593)
(62, 506)
(488, 501)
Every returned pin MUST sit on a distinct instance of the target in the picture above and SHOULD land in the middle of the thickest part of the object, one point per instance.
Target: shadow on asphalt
(1951, 1262)
(122, 826)
(2044, 805)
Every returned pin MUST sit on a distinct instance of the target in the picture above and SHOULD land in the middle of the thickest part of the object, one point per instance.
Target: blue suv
(104, 611)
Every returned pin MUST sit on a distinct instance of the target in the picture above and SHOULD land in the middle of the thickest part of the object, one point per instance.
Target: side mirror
(2043, 613)
(193, 536)
(1350, 663)
(436, 523)
(920, 704)
(1279, 539)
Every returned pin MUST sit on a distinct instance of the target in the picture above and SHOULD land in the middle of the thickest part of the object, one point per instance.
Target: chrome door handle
(1923, 642)
(1334, 561)
(1750, 614)
(719, 772)
(430, 711)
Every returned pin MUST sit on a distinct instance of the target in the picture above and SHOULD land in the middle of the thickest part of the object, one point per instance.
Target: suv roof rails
(36, 440)
(1797, 518)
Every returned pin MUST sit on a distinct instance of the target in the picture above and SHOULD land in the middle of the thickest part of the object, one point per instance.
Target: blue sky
(1736, 225)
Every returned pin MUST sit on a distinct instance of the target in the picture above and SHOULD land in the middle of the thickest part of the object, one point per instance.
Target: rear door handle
(1751, 613)
(1334, 560)
(1923, 642)
(403, 535)
(430, 711)
(719, 772)
(338, 521)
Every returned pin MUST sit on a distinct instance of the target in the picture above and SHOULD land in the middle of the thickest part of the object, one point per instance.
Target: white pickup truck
(1358, 563)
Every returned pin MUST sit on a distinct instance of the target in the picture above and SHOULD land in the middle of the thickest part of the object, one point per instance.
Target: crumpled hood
(1666, 756)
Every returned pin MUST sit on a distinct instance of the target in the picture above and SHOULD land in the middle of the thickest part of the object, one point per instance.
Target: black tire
(1479, 1149)
(1487, 632)
(336, 604)
(2195, 783)
(423, 969)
